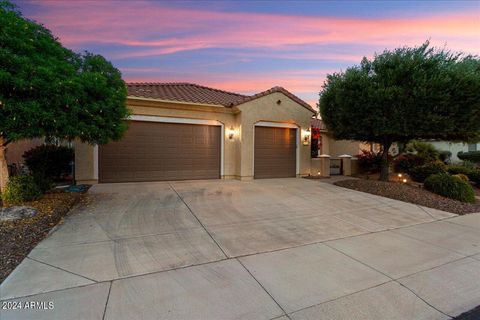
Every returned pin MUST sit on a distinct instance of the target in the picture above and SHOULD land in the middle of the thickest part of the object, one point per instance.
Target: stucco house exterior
(183, 131)
(455, 148)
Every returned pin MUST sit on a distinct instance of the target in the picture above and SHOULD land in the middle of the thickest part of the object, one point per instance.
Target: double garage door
(153, 151)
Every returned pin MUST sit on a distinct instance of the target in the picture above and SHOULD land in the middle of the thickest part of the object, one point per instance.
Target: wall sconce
(231, 133)
(306, 137)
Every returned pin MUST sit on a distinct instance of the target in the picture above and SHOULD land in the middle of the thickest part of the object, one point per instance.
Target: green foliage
(450, 187)
(47, 90)
(422, 172)
(43, 182)
(473, 174)
(473, 156)
(424, 150)
(445, 156)
(461, 176)
(369, 161)
(406, 162)
(20, 189)
(404, 94)
(49, 161)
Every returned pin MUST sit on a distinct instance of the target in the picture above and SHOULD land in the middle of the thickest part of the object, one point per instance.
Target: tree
(49, 91)
(404, 94)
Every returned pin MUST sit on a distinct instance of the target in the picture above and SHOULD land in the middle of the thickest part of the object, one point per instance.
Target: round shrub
(456, 169)
(461, 176)
(20, 189)
(421, 173)
(49, 161)
(451, 187)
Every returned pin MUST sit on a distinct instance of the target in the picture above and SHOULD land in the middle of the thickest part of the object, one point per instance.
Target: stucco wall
(16, 149)
(453, 147)
(267, 109)
(238, 152)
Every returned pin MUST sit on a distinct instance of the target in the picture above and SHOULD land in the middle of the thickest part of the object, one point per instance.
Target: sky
(251, 46)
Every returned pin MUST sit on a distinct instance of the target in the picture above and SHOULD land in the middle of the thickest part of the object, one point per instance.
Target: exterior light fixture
(231, 133)
(306, 137)
(404, 180)
(318, 173)
(399, 175)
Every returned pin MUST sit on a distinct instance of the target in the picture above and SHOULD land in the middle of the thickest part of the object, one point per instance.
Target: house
(329, 145)
(455, 148)
(181, 131)
(15, 151)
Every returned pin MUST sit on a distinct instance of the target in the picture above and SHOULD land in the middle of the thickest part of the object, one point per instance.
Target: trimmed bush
(451, 187)
(473, 156)
(407, 162)
(461, 176)
(475, 177)
(20, 189)
(49, 161)
(369, 161)
(421, 173)
(424, 150)
(459, 169)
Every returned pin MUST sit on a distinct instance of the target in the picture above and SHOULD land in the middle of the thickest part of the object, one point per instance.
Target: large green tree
(404, 94)
(47, 90)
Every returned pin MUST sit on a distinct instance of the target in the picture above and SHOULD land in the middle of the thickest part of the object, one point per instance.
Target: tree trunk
(3, 165)
(384, 168)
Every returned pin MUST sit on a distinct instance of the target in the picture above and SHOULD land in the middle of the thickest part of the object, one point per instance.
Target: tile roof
(189, 92)
(184, 92)
(318, 124)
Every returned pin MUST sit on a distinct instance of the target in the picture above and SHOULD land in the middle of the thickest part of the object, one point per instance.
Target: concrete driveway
(268, 249)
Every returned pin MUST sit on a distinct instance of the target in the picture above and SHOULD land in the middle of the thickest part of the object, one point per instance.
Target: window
(472, 147)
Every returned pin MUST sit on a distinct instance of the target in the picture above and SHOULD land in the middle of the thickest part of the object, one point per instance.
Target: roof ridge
(184, 84)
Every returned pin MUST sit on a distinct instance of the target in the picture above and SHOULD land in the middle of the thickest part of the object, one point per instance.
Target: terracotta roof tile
(189, 92)
(184, 92)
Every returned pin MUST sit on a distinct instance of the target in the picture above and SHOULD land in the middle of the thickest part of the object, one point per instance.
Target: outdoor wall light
(231, 133)
(306, 137)
(404, 180)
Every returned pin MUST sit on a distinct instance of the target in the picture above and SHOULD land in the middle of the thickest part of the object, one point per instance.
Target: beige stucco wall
(15, 150)
(267, 109)
(238, 152)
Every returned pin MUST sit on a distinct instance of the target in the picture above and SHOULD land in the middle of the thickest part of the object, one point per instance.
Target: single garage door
(152, 151)
(275, 152)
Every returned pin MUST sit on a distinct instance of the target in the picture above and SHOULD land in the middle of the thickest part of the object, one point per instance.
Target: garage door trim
(173, 120)
(280, 125)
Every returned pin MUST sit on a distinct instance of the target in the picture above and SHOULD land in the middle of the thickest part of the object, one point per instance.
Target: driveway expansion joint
(64, 270)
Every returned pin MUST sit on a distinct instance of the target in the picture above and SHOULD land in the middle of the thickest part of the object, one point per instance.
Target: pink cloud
(154, 30)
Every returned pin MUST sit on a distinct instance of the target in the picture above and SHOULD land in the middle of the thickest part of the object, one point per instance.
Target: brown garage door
(275, 152)
(152, 151)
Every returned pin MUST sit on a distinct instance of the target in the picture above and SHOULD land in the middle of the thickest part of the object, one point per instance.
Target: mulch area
(19, 237)
(407, 193)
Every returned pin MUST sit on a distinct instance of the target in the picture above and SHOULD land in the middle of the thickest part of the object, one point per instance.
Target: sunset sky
(251, 46)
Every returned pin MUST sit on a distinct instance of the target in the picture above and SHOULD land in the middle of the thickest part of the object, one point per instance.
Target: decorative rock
(16, 213)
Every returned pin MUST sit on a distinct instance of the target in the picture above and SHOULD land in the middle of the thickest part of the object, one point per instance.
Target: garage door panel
(152, 151)
(275, 152)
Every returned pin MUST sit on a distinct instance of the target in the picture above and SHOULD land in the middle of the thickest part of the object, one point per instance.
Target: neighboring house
(186, 131)
(334, 148)
(455, 147)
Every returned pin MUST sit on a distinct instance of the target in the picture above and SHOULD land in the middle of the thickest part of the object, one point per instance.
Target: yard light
(399, 175)
(404, 180)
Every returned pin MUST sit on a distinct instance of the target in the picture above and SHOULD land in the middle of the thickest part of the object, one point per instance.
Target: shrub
(474, 176)
(49, 161)
(459, 169)
(445, 156)
(369, 161)
(44, 183)
(473, 156)
(424, 150)
(461, 176)
(20, 189)
(421, 173)
(451, 187)
(407, 162)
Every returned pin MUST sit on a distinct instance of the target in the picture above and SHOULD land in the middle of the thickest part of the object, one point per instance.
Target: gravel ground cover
(407, 193)
(19, 237)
